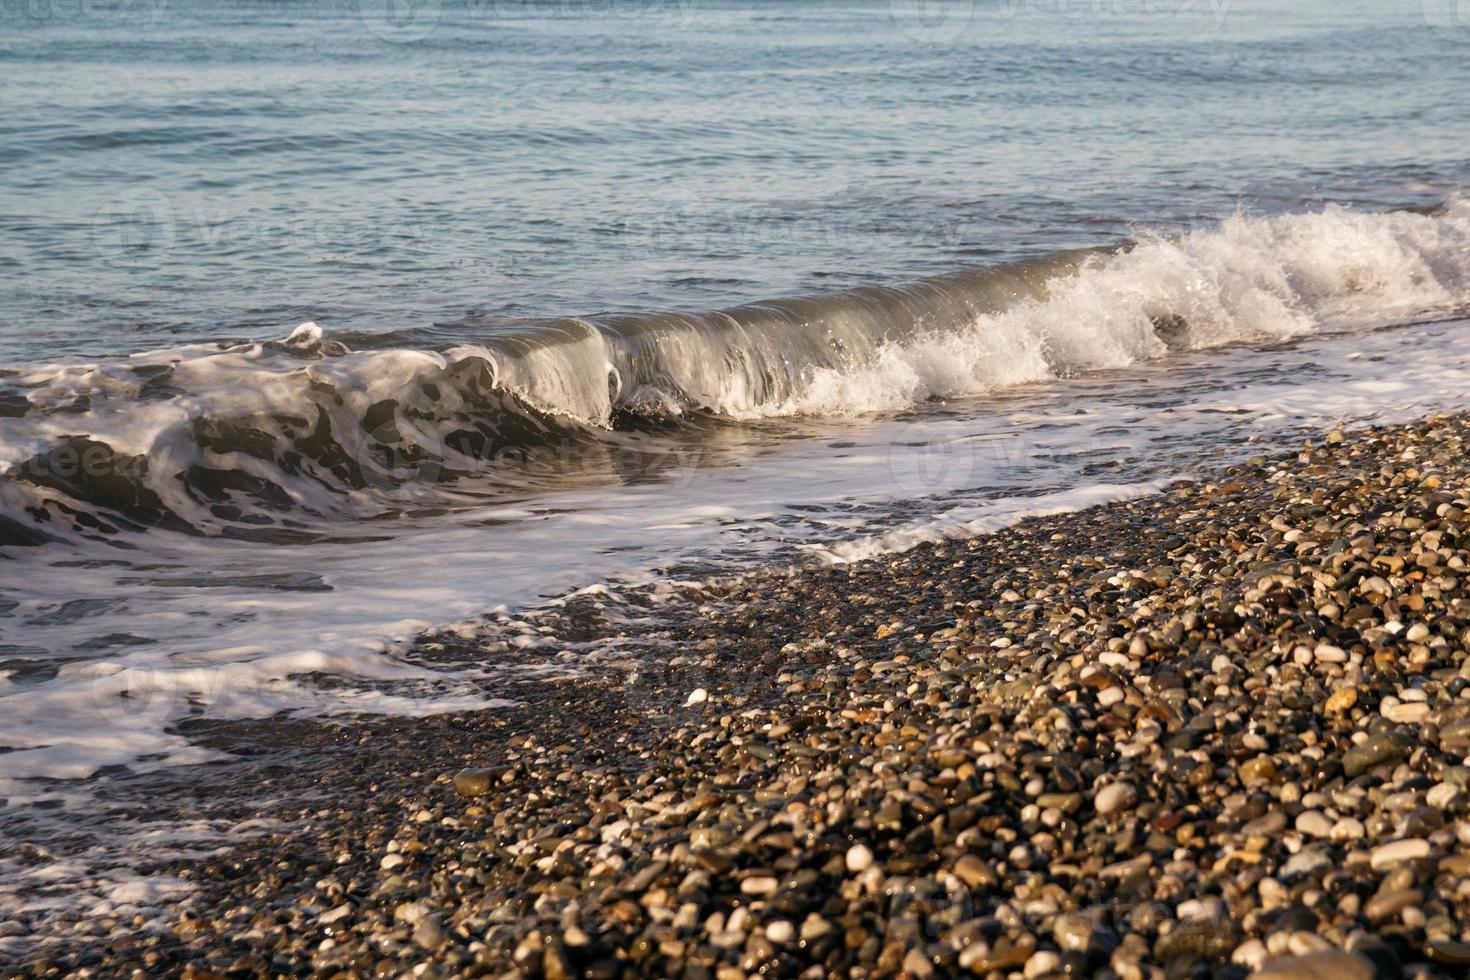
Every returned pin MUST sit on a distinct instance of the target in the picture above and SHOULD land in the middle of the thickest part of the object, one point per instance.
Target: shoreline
(1207, 729)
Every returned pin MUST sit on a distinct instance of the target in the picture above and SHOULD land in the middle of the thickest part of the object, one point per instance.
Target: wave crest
(257, 440)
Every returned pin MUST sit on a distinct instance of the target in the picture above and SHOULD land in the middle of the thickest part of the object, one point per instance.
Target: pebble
(1314, 824)
(1261, 769)
(1450, 952)
(1377, 750)
(334, 915)
(1409, 713)
(1252, 953)
(981, 959)
(1399, 851)
(428, 933)
(1073, 932)
(1442, 796)
(974, 872)
(859, 858)
(781, 932)
(1196, 938)
(1383, 906)
(472, 782)
(1326, 653)
(759, 885)
(1042, 963)
(917, 965)
(1114, 797)
(1307, 861)
(1323, 965)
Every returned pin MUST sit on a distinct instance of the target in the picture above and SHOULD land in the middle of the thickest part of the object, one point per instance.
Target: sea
(328, 325)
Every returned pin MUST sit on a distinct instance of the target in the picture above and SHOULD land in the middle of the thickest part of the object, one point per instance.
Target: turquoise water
(185, 169)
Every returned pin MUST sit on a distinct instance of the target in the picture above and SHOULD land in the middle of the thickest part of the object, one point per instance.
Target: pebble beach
(1216, 731)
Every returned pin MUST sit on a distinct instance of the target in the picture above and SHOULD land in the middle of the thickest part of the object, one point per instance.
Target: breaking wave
(256, 440)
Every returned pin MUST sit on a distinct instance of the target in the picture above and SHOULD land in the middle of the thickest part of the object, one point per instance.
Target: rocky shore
(1215, 731)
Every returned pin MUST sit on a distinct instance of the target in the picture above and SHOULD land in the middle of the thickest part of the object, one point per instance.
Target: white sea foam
(115, 711)
(976, 519)
(1250, 279)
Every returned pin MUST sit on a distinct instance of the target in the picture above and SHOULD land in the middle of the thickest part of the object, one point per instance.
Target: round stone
(1114, 797)
(1313, 824)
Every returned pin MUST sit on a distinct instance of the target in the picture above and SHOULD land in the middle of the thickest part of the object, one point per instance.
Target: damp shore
(1212, 731)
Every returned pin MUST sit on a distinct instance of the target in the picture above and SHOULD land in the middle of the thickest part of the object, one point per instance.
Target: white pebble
(1251, 953)
(1114, 797)
(697, 696)
(1410, 713)
(780, 932)
(1442, 795)
(1396, 852)
(410, 912)
(1313, 824)
(335, 915)
(1208, 909)
(859, 858)
(759, 885)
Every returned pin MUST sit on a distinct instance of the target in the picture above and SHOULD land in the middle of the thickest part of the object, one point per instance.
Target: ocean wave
(258, 440)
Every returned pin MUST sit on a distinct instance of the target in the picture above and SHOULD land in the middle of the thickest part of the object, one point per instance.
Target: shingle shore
(1186, 735)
